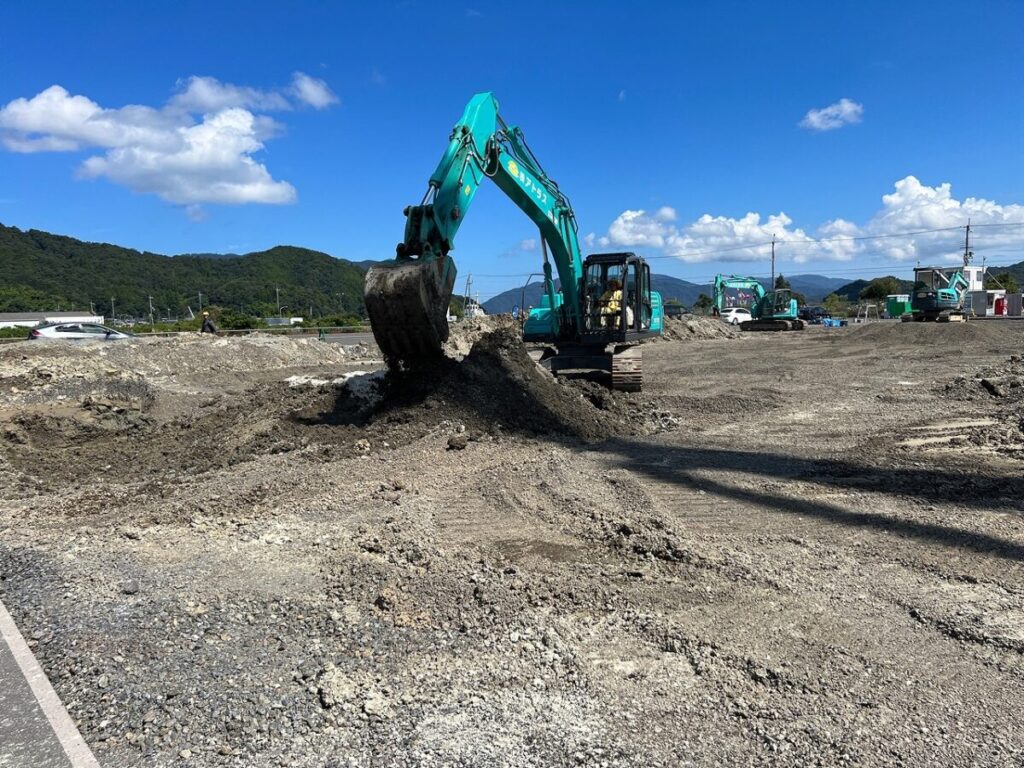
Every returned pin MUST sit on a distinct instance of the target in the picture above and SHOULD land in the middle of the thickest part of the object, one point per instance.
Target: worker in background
(611, 303)
(208, 326)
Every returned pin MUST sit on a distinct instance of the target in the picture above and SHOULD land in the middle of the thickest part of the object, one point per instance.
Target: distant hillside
(1017, 270)
(814, 287)
(851, 291)
(41, 271)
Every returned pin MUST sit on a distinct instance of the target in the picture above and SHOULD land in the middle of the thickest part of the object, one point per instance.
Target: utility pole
(113, 312)
(772, 286)
(200, 302)
(466, 300)
(967, 244)
(151, 321)
(278, 289)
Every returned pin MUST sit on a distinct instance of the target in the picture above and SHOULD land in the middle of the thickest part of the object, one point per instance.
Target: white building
(32, 319)
(939, 277)
(991, 302)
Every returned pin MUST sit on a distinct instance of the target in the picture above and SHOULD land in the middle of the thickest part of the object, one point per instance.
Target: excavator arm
(407, 299)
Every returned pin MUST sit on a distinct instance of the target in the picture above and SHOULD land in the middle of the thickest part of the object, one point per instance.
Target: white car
(77, 332)
(736, 315)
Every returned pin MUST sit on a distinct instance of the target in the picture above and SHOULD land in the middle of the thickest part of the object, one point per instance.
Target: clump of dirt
(1002, 382)
(1003, 387)
(696, 327)
(463, 334)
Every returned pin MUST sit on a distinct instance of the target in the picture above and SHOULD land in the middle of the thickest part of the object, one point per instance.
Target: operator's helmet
(206, 314)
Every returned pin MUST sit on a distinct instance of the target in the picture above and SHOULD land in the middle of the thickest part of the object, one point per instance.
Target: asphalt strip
(35, 728)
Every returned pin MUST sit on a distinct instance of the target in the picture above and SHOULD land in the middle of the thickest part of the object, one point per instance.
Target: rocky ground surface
(790, 549)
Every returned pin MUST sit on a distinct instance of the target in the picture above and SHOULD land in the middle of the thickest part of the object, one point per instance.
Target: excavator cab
(618, 304)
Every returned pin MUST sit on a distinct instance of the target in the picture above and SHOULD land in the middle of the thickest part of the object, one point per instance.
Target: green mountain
(851, 291)
(1017, 270)
(40, 271)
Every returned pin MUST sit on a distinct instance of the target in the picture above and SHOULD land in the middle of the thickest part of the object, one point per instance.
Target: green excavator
(769, 310)
(939, 295)
(591, 320)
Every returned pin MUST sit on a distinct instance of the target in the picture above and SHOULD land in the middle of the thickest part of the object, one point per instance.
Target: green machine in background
(939, 294)
(603, 304)
(898, 304)
(770, 310)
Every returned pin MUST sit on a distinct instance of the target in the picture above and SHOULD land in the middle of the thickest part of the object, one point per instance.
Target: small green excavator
(603, 304)
(769, 310)
(939, 295)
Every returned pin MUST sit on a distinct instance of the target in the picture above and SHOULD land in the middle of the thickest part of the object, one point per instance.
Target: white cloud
(915, 206)
(529, 244)
(212, 164)
(312, 91)
(912, 207)
(843, 112)
(200, 147)
(622, 95)
(639, 228)
(196, 212)
(208, 94)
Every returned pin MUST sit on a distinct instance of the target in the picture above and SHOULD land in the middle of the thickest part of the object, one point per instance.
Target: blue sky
(313, 124)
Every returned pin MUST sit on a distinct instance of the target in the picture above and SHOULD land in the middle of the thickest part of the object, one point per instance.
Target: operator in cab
(611, 303)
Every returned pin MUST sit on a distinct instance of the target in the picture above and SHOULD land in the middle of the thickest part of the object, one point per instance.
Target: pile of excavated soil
(693, 327)
(498, 387)
(939, 334)
(496, 390)
(170, 356)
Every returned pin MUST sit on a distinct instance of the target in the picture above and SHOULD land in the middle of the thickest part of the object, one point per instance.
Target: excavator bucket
(407, 302)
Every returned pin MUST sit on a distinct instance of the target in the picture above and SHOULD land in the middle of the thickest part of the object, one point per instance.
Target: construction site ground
(790, 549)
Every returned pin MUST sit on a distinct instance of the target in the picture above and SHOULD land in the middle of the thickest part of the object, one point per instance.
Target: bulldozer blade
(408, 307)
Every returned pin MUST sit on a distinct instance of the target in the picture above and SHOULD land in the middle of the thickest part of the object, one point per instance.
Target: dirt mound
(170, 356)
(495, 387)
(696, 327)
(946, 334)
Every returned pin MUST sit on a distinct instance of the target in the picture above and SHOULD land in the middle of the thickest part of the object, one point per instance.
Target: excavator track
(628, 369)
(407, 303)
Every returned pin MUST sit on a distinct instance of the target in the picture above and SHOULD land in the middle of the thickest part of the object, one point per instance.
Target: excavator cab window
(616, 294)
(644, 310)
(604, 292)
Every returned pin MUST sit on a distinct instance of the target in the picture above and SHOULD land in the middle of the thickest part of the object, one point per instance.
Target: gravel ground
(791, 549)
